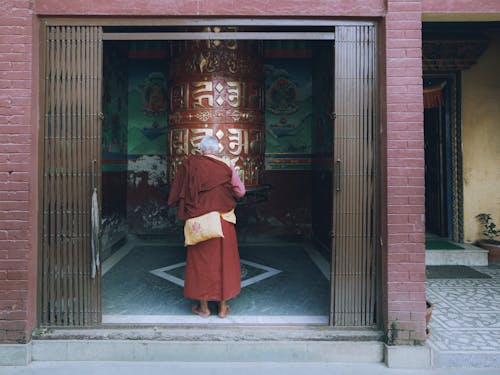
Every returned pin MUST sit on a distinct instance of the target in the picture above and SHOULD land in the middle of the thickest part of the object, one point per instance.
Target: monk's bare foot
(198, 311)
(223, 310)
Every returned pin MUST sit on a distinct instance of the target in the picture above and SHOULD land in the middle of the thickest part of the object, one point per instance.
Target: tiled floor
(281, 283)
(465, 324)
(288, 283)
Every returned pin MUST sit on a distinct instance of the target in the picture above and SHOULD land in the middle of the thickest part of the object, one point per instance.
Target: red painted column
(404, 237)
(17, 185)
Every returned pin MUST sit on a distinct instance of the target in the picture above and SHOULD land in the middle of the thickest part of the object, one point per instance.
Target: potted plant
(489, 243)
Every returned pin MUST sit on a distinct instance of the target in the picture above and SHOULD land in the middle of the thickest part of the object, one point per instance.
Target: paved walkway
(465, 324)
(246, 368)
(465, 340)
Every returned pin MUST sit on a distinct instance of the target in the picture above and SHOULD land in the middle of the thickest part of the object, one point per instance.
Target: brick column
(17, 261)
(404, 250)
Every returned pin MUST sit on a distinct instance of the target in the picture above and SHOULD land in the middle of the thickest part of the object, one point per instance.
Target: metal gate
(70, 165)
(70, 160)
(353, 299)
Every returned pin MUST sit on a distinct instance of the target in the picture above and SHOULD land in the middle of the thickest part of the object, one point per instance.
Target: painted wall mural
(136, 123)
(147, 169)
(147, 211)
(148, 64)
(114, 144)
(147, 97)
(288, 99)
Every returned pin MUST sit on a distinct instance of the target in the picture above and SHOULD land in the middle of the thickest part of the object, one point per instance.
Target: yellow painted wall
(481, 139)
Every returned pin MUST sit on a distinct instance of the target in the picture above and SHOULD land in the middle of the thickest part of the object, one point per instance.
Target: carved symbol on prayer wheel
(216, 88)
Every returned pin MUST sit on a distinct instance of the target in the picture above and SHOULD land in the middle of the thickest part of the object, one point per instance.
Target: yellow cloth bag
(202, 228)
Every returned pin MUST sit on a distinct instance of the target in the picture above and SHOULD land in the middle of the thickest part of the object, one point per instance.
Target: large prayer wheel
(216, 88)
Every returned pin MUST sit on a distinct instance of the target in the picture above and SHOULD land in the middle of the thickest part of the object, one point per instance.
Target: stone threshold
(198, 344)
(205, 332)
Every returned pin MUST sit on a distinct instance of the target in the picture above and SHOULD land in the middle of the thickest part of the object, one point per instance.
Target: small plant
(489, 227)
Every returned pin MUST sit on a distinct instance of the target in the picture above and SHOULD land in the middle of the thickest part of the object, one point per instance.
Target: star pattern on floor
(251, 273)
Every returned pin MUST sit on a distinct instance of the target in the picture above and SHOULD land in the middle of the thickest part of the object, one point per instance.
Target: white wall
(481, 139)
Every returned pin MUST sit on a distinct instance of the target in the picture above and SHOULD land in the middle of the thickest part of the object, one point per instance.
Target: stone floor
(465, 323)
(281, 283)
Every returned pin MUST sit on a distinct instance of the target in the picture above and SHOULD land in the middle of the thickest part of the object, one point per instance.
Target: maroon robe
(203, 184)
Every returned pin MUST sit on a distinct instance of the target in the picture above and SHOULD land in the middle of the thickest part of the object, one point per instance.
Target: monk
(206, 183)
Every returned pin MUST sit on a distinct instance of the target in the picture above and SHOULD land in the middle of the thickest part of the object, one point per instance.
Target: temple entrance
(307, 234)
(438, 167)
(443, 191)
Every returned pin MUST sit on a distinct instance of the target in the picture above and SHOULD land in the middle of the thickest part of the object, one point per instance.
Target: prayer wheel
(216, 88)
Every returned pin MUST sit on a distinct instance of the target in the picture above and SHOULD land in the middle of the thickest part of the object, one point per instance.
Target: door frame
(453, 149)
(177, 22)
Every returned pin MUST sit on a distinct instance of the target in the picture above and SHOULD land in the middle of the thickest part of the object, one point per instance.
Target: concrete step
(469, 256)
(203, 344)
(210, 344)
(227, 351)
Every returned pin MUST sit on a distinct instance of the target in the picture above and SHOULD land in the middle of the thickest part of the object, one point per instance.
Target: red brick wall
(404, 255)
(293, 8)
(17, 282)
(404, 269)
(404, 284)
(461, 6)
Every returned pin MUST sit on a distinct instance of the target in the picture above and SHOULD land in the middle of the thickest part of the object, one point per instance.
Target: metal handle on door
(92, 176)
(340, 174)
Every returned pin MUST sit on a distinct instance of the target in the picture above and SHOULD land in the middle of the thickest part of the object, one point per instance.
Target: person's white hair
(209, 144)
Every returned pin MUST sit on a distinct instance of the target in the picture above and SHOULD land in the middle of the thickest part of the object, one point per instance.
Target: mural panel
(147, 128)
(288, 108)
(147, 96)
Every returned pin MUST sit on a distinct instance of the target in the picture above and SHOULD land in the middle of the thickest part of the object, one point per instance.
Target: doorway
(443, 187)
(313, 234)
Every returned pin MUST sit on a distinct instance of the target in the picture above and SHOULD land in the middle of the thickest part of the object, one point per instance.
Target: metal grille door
(354, 205)
(69, 290)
